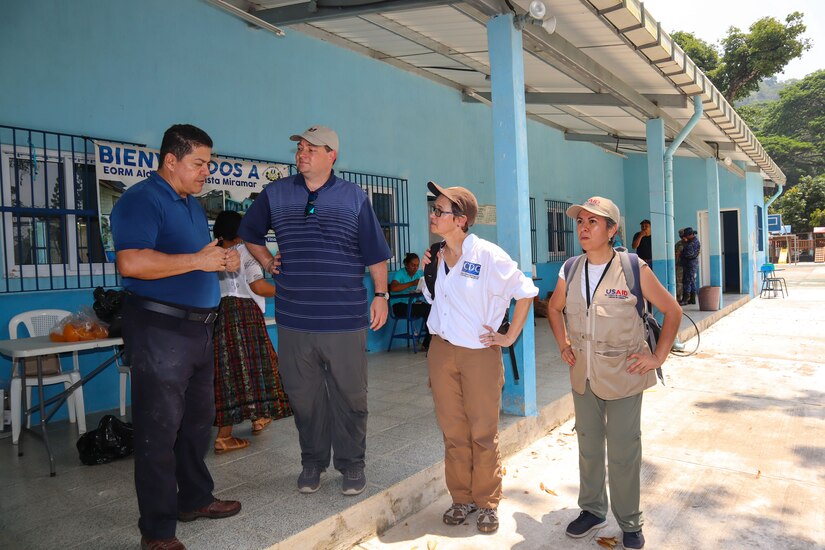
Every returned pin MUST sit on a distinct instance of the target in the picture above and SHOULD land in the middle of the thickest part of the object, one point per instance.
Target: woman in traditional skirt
(247, 383)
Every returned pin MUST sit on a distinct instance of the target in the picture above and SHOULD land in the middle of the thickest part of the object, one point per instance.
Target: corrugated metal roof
(613, 48)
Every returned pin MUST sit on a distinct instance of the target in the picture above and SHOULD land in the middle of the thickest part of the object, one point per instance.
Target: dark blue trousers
(173, 408)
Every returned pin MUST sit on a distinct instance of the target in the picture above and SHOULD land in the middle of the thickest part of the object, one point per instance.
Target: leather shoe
(161, 544)
(215, 510)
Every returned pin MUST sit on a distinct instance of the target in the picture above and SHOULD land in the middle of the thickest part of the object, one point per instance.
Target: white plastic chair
(39, 322)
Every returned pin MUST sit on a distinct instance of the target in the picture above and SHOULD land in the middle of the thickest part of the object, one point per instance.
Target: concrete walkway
(95, 506)
(734, 447)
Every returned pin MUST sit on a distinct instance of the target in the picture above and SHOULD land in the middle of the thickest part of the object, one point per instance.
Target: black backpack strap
(431, 269)
(630, 267)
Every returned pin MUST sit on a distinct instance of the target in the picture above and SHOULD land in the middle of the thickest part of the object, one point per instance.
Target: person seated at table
(247, 383)
(405, 281)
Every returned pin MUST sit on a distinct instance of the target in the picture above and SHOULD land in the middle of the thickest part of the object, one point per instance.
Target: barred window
(560, 231)
(50, 235)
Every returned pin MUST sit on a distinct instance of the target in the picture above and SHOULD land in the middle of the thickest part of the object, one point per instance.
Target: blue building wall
(117, 69)
(690, 197)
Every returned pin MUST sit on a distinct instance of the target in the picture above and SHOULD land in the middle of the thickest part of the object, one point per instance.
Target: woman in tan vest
(601, 336)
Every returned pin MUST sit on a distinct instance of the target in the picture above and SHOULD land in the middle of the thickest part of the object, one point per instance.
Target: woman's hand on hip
(642, 363)
(492, 338)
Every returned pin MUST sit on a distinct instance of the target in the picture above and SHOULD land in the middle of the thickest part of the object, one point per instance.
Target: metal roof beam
(416, 37)
(320, 10)
(602, 100)
(570, 60)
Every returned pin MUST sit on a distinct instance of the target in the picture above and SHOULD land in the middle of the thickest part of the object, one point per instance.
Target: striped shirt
(323, 253)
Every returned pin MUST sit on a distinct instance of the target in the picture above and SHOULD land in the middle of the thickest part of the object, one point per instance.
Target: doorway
(731, 257)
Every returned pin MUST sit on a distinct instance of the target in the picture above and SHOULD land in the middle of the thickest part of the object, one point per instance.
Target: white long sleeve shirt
(476, 292)
(238, 284)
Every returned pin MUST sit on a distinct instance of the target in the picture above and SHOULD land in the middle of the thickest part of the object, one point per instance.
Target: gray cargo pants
(619, 423)
(325, 378)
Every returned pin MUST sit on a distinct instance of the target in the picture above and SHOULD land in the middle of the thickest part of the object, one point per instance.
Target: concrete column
(714, 240)
(662, 261)
(512, 192)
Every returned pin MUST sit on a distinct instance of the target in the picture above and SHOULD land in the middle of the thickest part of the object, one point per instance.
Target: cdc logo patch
(469, 269)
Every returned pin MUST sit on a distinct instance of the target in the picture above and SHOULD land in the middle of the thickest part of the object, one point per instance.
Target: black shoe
(585, 524)
(633, 540)
(692, 299)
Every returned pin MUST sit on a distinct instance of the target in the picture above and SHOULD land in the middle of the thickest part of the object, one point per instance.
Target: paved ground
(734, 447)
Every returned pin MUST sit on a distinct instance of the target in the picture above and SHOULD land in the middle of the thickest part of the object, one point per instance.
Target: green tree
(799, 204)
(705, 55)
(792, 129)
(818, 218)
(747, 58)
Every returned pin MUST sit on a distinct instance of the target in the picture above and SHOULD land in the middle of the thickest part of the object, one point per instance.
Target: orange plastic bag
(78, 327)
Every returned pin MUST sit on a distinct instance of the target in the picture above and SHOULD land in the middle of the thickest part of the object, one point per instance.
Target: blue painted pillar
(512, 191)
(714, 240)
(655, 135)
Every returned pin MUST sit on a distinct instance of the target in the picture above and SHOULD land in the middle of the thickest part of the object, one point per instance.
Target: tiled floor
(95, 506)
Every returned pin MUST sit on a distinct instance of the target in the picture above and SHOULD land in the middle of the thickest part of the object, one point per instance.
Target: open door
(731, 255)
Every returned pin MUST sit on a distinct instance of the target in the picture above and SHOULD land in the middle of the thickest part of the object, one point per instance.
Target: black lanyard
(587, 278)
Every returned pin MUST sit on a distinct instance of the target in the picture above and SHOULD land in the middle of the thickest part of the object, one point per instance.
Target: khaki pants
(617, 421)
(466, 385)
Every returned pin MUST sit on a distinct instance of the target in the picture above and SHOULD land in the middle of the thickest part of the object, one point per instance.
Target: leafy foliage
(745, 59)
(702, 53)
(802, 205)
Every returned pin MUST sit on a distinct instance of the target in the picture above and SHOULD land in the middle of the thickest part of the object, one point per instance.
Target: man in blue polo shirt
(327, 233)
(168, 266)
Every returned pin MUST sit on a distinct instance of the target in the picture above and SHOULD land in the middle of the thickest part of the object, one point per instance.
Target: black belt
(206, 317)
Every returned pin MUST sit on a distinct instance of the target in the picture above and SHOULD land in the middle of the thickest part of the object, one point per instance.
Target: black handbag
(108, 308)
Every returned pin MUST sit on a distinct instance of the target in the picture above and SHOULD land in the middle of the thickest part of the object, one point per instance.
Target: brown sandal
(230, 443)
(259, 424)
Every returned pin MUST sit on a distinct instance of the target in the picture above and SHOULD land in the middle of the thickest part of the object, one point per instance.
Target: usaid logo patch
(469, 269)
(616, 294)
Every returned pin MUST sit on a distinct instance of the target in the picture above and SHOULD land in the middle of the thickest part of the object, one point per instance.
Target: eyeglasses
(437, 212)
(310, 207)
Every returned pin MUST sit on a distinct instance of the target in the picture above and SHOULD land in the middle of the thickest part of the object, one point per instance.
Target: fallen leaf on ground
(607, 542)
(431, 544)
(758, 474)
(547, 489)
(504, 470)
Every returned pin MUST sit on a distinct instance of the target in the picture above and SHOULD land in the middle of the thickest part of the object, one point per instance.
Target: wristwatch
(385, 295)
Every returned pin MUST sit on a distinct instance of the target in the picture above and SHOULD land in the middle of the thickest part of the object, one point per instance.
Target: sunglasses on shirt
(310, 207)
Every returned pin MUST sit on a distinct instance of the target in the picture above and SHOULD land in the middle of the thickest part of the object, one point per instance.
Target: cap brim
(573, 211)
(435, 189)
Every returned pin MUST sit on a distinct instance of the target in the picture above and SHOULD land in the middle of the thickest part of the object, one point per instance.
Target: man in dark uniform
(689, 259)
(168, 266)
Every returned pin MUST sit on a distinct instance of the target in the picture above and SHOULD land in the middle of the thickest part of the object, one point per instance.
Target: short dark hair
(226, 225)
(181, 139)
(410, 256)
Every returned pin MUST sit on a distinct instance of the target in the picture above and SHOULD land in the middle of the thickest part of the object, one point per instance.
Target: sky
(710, 20)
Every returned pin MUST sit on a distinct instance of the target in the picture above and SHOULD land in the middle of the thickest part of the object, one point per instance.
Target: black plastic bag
(108, 305)
(111, 440)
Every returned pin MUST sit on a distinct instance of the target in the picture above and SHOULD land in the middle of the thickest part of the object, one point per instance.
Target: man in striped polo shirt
(327, 233)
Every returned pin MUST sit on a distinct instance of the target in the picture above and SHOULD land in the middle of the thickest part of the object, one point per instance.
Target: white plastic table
(38, 347)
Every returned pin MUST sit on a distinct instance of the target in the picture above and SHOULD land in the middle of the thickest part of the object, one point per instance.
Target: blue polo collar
(161, 182)
(299, 180)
